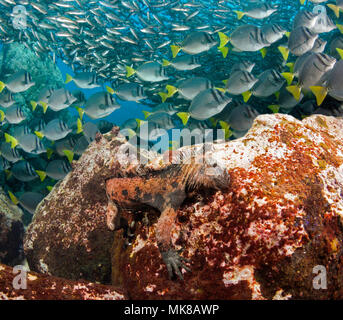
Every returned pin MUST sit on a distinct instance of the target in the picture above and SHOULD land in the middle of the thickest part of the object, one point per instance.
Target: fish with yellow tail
(333, 81)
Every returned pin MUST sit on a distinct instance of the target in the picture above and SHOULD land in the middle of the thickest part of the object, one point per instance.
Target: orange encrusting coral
(260, 238)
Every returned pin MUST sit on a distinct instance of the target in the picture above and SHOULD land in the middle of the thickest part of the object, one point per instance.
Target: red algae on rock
(44, 287)
(262, 238)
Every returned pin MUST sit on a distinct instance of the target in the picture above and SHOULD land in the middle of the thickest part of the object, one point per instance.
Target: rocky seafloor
(261, 238)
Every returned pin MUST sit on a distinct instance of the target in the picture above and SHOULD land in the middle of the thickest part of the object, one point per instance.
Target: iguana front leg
(170, 256)
(155, 192)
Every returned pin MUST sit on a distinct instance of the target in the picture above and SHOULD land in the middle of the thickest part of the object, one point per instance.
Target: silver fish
(100, 105)
(240, 81)
(208, 103)
(10, 154)
(184, 62)
(301, 40)
(15, 114)
(18, 82)
(149, 71)
(23, 171)
(241, 119)
(195, 43)
(30, 200)
(248, 38)
(60, 99)
(58, 169)
(30, 143)
(6, 99)
(55, 130)
(84, 80)
(130, 92)
(269, 82)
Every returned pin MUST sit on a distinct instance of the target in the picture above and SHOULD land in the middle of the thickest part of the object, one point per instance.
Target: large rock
(11, 231)
(277, 227)
(68, 236)
(44, 287)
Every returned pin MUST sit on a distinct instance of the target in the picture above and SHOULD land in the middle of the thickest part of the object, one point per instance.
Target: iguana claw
(174, 262)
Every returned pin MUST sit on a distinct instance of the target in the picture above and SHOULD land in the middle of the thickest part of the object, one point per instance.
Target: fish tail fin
(41, 174)
(69, 154)
(44, 106)
(223, 38)
(80, 111)
(8, 174)
(2, 116)
(263, 52)
(334, 8)
(223, 90)
(295, 91)
(146, 114)
(69, 78)
(9, 139)
(184, 116)
(131, 132)
(39, 134)
(284, 51)
(224, 51)
(302, 2)
(246, 95)
(173, 145)
(163, 95)
(340, 52)
(165, 63)
(226, 127)
(287, 34)
(171, 90)
(49, 152)
(290, 65)
(33, 105)
(288, 76)
(340, 27)
(13, 198)
(320, 93)
(175, 50)
(129, 71)
(274, 108)
(213, 122)
(240, 14)
(139, 122)
(79, 126)
(2, 86)
(110, 90)
(225, 81)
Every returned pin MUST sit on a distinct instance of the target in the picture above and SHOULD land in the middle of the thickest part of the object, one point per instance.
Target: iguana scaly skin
(164, 190)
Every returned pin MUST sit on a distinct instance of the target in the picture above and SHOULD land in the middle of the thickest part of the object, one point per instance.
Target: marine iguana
(164, 190)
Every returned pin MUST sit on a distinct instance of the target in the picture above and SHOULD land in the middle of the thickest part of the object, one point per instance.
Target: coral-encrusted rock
(68, 236)
(11, 231)
(44, 287)
(263, 238)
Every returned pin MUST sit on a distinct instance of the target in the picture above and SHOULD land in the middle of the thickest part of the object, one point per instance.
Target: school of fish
(205, 64)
